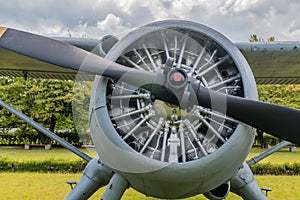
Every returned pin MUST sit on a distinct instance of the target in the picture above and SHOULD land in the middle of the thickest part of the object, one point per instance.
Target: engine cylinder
(165, 150)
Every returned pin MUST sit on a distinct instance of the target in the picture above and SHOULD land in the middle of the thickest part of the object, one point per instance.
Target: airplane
(174, 106)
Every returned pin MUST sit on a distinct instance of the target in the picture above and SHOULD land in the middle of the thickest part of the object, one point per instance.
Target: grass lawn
(53, 186)
(19, 154)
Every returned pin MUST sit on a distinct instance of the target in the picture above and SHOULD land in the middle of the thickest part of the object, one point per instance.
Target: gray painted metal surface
(115, 188)
(95, 175)
(245, 185)
(163, 179)
(267, 153)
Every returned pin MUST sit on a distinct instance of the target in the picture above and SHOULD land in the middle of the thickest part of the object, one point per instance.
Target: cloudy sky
(237, 19)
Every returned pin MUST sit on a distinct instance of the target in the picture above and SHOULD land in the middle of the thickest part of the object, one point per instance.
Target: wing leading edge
(271, 63)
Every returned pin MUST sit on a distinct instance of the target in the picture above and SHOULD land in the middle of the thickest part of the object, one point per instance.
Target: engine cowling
(164, 150)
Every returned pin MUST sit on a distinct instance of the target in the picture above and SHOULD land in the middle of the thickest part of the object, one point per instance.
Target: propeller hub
(177, 78)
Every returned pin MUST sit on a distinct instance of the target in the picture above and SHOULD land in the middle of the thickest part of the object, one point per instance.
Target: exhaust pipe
(221, 192)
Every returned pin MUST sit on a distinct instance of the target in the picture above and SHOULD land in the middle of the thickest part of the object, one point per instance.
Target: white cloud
(236, 6)
(111, 24)
(235, 18)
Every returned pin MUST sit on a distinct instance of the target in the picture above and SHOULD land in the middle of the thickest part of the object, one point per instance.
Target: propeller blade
(71, 57)
(280, 121)
(277, 120)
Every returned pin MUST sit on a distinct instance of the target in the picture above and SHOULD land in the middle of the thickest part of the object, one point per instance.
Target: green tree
(49, 102)
(81, 100)
(12, 92)
(256, 38)
(271, 39)
(286, 95)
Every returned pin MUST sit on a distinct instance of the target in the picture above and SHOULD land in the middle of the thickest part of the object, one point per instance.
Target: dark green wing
(273, 62)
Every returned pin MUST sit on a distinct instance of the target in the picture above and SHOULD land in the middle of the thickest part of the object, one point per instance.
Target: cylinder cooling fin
(165, 150)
